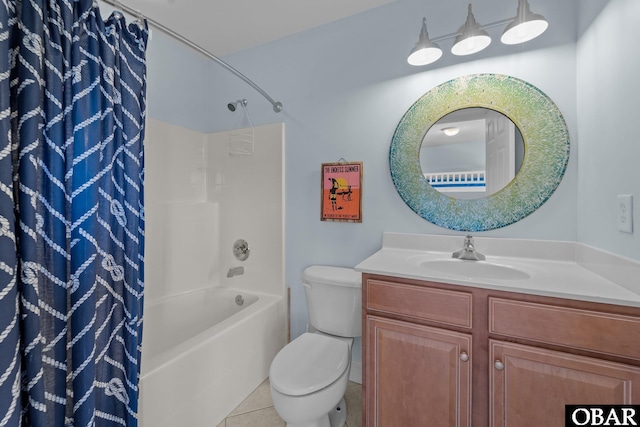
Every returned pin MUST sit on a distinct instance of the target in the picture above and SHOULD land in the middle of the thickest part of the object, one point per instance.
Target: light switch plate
(625, 213)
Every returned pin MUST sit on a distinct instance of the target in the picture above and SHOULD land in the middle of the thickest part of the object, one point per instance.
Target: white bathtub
(202, 354)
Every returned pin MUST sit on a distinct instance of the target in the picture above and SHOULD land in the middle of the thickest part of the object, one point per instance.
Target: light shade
(425, 51)
(451, 131)
(525, 26)
(471, 37)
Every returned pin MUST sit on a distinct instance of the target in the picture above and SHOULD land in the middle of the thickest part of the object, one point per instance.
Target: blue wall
(609, 151)
(346, 85)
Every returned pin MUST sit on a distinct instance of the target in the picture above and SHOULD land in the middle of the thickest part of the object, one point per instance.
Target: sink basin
(474, 269)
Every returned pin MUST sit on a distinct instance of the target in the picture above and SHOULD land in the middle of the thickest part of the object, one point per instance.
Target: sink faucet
(468, 252)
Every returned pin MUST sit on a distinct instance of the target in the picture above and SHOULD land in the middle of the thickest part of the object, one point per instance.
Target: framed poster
(341, 192)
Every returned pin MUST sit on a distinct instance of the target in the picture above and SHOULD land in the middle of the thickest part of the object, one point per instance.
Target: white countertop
(551, 266)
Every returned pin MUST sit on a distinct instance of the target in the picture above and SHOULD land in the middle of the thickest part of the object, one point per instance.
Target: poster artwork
(341, 192)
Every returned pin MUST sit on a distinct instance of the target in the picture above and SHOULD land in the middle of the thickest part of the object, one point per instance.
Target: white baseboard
(356, 372)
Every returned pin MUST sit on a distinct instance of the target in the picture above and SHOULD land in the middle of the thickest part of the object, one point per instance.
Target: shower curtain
(72, 108)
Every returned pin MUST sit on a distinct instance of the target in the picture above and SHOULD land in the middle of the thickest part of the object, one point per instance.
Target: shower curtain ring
(140, 19)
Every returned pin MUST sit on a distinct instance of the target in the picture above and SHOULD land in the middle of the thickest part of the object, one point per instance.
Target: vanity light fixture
(451, 131)
(425, 51)
(473, 37)
(525, 26)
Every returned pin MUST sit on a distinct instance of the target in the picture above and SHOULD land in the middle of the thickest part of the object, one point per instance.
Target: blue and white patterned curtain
(72, 109)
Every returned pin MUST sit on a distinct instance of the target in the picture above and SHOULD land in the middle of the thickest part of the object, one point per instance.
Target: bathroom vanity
(504, 342)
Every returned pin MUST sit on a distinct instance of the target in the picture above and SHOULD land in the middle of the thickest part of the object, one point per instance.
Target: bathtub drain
(239, 300)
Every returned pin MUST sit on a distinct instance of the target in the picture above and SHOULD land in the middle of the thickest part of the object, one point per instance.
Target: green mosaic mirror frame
(546, 141)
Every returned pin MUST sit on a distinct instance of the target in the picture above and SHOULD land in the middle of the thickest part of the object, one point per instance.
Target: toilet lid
(307, 364)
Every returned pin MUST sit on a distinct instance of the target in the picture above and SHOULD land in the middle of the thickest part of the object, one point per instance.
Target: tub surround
(199, 200)
(556, 269)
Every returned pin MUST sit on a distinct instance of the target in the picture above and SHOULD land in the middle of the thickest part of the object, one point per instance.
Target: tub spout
(235, 271)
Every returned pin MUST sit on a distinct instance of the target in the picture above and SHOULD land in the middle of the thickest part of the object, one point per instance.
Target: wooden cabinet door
(530, 386)
(416, 375)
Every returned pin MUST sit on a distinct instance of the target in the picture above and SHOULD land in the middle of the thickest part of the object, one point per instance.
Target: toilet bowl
(309, 376)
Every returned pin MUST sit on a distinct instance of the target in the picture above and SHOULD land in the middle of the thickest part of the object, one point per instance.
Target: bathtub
(202, 354)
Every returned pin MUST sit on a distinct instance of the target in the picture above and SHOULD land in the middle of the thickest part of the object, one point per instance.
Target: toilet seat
(309, 363)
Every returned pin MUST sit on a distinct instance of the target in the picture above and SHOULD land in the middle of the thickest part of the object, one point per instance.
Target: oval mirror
(471, 153)
(546, 152)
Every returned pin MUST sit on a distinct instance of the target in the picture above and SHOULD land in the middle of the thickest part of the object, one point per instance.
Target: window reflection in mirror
(471, 153)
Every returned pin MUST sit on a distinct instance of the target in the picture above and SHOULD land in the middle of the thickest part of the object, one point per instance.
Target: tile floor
(257, 409)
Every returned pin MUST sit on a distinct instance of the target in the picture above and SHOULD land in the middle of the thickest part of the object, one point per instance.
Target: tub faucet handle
(241, 249)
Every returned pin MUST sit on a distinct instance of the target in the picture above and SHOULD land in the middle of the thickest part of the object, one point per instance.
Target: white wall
(250, 193)
(199, 200)
(609, 151)
(182, 227)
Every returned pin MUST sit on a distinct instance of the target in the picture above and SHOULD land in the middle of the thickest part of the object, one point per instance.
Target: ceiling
(226, 26)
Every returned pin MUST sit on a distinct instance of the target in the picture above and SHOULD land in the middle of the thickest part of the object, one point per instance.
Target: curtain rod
(277, 106)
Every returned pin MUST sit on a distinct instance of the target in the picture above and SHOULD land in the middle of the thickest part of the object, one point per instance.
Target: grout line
(248, 412)
(350, 385)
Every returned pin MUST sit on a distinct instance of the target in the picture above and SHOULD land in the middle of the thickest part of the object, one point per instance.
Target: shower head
(233, 105)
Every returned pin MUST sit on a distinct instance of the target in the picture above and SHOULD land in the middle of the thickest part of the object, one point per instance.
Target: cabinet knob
(499, 366)
(464, 356)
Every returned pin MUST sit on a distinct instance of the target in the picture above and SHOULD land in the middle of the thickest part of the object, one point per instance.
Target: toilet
(309, 376)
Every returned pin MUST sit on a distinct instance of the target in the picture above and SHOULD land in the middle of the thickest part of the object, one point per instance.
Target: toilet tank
(334, 299)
